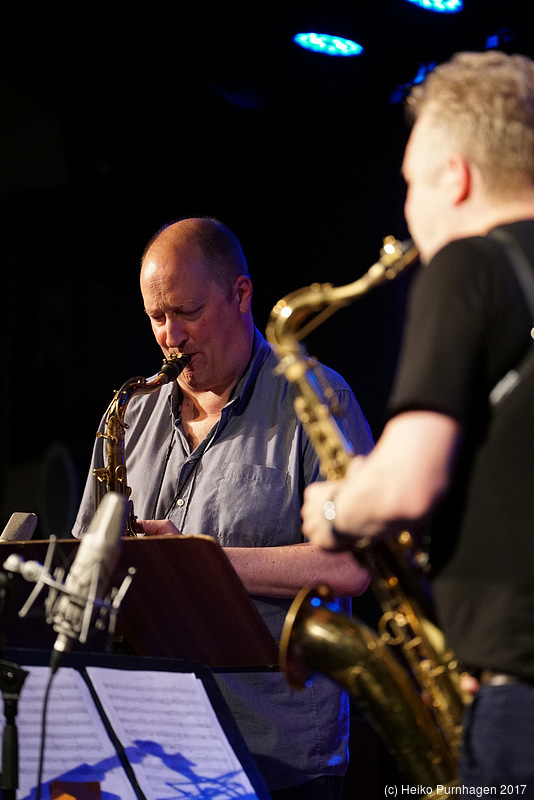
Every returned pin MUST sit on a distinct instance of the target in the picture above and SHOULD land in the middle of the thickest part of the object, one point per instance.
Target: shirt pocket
(252, 499)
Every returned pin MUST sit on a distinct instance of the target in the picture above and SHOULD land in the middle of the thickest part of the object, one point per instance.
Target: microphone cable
(43, 734)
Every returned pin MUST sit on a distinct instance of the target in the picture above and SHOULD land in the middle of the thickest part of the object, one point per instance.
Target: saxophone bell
(317, 638)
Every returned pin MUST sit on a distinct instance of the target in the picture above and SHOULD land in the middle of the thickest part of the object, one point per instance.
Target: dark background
(116, 118)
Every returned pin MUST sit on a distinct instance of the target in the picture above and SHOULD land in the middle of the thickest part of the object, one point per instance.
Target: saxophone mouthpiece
(173, 365)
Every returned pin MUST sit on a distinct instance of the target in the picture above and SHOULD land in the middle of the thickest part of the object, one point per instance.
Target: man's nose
(175, 333)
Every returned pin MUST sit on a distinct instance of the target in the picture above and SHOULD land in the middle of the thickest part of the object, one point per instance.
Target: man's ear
(459, 179)
(243, 286)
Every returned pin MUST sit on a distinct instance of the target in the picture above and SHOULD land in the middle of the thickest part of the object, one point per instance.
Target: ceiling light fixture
(327, 44)
(440, 6)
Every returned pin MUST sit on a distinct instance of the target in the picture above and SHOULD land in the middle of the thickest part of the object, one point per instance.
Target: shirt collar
(244, 387)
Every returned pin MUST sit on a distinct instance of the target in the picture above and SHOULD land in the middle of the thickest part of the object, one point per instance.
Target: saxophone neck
(171, 368)
(299, 313)
(113, 476)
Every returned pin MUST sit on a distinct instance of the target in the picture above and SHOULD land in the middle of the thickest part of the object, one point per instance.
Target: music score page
(167, 718)
(164, 721)
(77, 745)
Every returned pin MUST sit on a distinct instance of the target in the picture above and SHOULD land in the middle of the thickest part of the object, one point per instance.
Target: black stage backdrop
(117, 118)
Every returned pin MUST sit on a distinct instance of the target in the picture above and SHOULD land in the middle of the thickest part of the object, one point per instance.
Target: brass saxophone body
(113, 477)
(401, 675)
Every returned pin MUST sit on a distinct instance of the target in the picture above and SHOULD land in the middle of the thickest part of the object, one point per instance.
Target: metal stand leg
(12, 678)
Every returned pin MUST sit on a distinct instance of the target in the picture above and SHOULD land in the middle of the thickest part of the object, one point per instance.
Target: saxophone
(112, 477)
(402, 675)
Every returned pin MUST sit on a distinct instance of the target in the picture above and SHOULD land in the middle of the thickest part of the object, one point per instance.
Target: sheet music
(77, 747)
(182, 751)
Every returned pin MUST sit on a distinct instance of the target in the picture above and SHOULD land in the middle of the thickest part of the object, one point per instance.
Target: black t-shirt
(468, 325)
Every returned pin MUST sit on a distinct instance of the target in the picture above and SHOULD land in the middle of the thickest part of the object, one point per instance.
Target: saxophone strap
(523, 270)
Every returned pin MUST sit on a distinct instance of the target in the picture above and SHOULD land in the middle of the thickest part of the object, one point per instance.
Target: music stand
(185, 601)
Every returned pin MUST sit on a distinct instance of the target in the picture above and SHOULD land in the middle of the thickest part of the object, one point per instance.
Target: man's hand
(469, 685)
(157, 527)
(321, 518)
(318, 515)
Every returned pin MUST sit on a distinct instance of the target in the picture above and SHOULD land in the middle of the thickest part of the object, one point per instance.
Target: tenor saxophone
(113, 477)
(403, 674)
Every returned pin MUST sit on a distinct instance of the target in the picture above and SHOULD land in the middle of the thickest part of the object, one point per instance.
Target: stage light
(402, 91)
(440, 6)
(503, 39)
(327, 44)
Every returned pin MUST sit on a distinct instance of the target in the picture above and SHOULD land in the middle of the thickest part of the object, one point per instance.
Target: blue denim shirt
(243, 485)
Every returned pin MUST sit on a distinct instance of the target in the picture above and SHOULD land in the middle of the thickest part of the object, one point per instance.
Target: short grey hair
(486, 102)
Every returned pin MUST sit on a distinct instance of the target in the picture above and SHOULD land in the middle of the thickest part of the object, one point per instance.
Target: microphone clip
(107, 607)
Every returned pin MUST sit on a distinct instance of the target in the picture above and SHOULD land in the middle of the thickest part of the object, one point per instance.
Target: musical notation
(165, 724)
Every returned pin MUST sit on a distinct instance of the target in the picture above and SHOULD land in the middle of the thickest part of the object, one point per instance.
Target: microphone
(89, 576)
(20, 527)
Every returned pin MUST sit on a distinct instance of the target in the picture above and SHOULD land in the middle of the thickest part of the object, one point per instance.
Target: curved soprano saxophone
(112, 477)
(418, 710)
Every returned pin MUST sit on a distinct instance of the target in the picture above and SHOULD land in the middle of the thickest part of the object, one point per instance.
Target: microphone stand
(12, 678)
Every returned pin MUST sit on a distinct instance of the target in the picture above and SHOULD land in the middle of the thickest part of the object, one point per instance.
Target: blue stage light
(328, 44)
(501, 40)
(401, 92)
(441, 6)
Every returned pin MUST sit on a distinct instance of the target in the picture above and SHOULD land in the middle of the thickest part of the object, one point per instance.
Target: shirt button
(180, 502)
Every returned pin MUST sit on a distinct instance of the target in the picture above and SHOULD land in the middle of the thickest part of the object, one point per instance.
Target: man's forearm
(283, 571)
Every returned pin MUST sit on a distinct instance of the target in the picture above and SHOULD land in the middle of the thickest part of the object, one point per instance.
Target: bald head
(197, 295)
(206, 239)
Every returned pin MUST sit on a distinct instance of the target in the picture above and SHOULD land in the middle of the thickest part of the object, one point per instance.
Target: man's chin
(191, 378)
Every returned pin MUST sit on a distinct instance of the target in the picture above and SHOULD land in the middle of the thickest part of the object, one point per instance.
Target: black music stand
(185, 601)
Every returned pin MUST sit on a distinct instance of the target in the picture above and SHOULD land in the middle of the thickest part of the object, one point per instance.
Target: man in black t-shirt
(447, 452)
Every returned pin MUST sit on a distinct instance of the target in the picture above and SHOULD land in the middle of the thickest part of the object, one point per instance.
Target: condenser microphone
(20, 527)
(90, 574)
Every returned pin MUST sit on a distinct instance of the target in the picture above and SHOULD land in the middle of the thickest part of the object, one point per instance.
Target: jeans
(498, 749)
(324, 788)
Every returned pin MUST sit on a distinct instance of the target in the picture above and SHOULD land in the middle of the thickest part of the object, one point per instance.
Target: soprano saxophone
(403, 676)
(113, 477)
